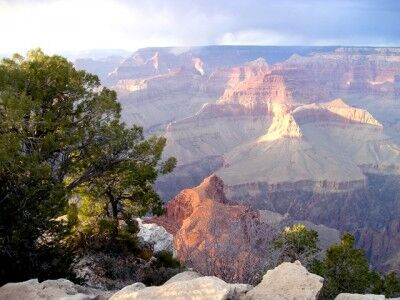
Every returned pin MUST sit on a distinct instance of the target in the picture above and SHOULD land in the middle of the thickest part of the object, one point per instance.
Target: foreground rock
(287, 281)
(186, 285)
(184, 276)
(127, 291)
(49, 290)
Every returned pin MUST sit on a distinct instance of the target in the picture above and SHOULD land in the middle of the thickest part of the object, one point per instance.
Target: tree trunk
(114, 211)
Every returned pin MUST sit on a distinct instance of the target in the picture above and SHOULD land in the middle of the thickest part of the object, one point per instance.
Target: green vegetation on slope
(344, 267)
(61, 138)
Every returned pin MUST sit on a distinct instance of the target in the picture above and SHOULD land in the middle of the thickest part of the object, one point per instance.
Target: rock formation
(126, 292)
(156, 236)
(184, 276)
(287, 281)
(51, 290)
(241, 75)
(206, 225)
(207, 288)
(325, 146)
(253, 87)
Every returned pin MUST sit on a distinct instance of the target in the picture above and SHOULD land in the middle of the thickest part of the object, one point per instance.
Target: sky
(77, 25)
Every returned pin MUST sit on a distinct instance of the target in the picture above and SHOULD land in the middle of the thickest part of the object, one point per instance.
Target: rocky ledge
(288, 281)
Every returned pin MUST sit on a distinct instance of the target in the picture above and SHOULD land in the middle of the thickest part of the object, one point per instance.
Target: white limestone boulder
(49, 290)
(288, 281)
(156, 236)
(125, 293)
(184, 288)
(184, 276)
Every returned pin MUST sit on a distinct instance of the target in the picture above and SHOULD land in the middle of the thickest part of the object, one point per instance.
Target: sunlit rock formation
(325, 146)
(206, 225)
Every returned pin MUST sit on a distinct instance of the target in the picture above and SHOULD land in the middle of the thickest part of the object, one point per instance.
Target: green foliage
(61, 135)
(388, 285)
(345, 269)
(296, 243)
(166, 259)
(164, 267)
(116, 270)
(391, 285)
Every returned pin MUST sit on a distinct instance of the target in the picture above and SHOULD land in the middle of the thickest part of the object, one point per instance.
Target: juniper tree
(60, 131)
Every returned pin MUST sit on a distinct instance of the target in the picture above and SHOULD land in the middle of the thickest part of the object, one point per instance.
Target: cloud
(68, 25)
(259, 37)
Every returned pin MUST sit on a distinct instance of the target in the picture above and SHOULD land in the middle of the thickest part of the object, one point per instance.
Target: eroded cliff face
(315, 163)
(254, 87)
(320, 147)
(159, 99)
(371, 213)
(352, 73)
(208, 229)
(250, 76)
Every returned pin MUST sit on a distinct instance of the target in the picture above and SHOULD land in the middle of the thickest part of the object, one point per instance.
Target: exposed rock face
(156, 236)
(288, 281)
(253, 87)
(320, 146)
(350, 71)
(283, 125)
(157, 100)
(152, 61)
(187, 175)
(335, 111)
(371, 213)
(158, 85)
(214, 131)
(49, 289)
(206, 225)
(177, 82)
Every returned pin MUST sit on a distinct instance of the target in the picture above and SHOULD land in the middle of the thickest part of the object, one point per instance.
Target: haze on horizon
(75, 25)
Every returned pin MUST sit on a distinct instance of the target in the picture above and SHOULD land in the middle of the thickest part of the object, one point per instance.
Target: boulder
(287, 281)
(156, 236)
(184, 288)
(126, 291)
(184, 276)
(347, 296)
(49, 289)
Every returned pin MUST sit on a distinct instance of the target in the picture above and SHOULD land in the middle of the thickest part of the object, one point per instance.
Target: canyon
(288, 133)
